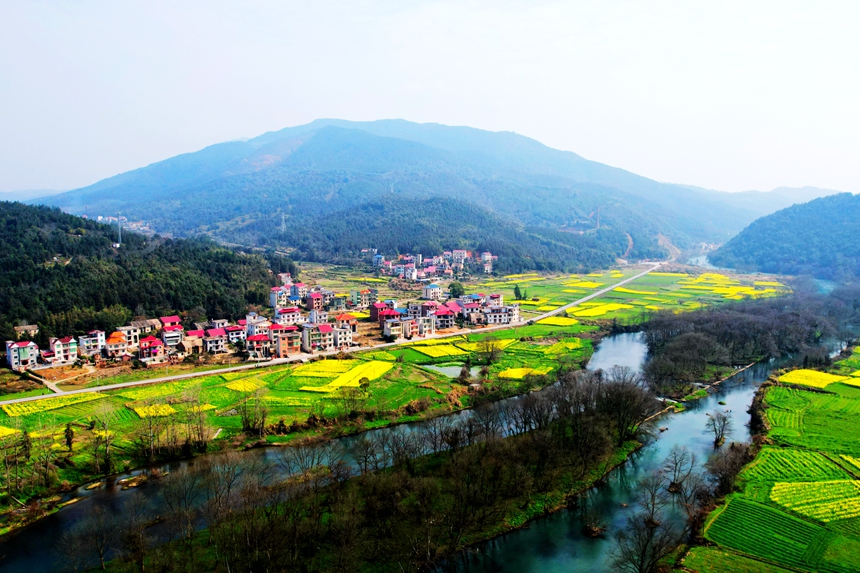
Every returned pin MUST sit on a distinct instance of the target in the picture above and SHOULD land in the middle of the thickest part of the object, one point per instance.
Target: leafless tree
(679, 466)
(720, 424)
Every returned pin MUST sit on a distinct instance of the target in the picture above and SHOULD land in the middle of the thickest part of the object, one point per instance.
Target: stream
(549, 544)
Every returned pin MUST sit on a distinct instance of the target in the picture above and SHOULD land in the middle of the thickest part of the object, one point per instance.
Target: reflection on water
(556, 543)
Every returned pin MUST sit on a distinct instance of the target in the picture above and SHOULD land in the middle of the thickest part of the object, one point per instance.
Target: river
(550, 544)
(555, 543)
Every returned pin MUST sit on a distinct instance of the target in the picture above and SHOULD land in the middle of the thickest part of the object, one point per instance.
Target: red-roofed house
(259, 346)
(215, 340)
(387, 314)
(299, 289)
(444, 318)
(314, 301)
(235, 333)
(317, 337)
(64, 349)
(151, 347)
(289, 315)
(346, 321)
(21, 355)
(172, 335)
(170, 321)
(375, 309)
(286, 340)
(198, 333)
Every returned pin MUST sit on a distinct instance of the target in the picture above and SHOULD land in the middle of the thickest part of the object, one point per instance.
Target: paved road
(302, 357)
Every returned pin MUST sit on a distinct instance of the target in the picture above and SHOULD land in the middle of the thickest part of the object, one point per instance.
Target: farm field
(678, 291)
(388, 386)
(799, 504)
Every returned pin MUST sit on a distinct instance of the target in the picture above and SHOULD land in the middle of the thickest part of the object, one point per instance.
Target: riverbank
(460, 396)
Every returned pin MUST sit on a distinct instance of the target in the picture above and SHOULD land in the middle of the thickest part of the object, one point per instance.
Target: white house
(431, 292)
(91, 343)
(21, 355)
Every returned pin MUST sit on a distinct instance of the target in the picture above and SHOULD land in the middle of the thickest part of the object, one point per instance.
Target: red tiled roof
(174, 328)
(150, 341)
(275, 289)
(472, 305)
(291, 310)
(233, 328)
(166, 319)
(344, 317)
(96, 332)
(258, 338)
(195, 333)
(243, 322)
(388, 312)
(277, 327)
(379, 305)
(215, 332)
(290, 327)
(324, 328)
(66, 340)
(443, 312)
(299, 285)
(315, 295)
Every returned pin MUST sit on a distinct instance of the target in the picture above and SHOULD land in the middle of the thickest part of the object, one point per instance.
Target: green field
(636, 300)
(799, 504)
(383, 387)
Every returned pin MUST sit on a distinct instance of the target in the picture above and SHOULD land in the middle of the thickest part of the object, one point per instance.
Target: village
(300, 318)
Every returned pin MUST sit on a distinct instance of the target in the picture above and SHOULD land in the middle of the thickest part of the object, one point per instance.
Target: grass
(713, 560)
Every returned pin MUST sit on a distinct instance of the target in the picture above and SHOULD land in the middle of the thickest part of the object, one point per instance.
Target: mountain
(819, 238)
(26, 194)
(240, 191)
(63, 273)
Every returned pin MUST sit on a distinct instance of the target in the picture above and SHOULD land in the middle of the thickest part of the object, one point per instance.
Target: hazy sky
(727, 95)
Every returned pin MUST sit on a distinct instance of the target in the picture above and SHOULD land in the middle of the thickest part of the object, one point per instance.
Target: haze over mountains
(311, 179)
(819, 238)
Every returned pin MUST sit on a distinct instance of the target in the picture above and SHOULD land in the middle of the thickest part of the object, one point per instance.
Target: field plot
(823, 501)
(763, 531)
(782, 464)
(811, 378)
(27, 408)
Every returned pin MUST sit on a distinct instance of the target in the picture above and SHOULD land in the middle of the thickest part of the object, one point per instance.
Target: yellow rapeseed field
(811, 378)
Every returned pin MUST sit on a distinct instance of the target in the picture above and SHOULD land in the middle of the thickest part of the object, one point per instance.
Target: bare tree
(679, 466)
(725, 465)
(103, 429)
(720, 424)
(624, 399)
(647, 537)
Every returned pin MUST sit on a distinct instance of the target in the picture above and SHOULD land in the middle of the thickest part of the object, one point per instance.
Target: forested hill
(819, 238)
(238, 191)
(61, 272)
(430, 226)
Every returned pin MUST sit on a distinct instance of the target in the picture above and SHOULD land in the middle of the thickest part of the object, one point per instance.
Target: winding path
(304, 356)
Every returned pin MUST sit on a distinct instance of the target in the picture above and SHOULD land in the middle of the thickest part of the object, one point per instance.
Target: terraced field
(800, 501)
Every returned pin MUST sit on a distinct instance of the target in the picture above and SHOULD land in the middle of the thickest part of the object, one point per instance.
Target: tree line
(62, 273)
(683, 346)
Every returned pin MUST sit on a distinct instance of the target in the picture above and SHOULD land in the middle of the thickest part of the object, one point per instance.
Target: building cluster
(422, 318)
(304, 318)
(419, 267)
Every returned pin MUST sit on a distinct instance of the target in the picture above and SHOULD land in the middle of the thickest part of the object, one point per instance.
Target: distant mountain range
(819, 238)
(308, 178)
